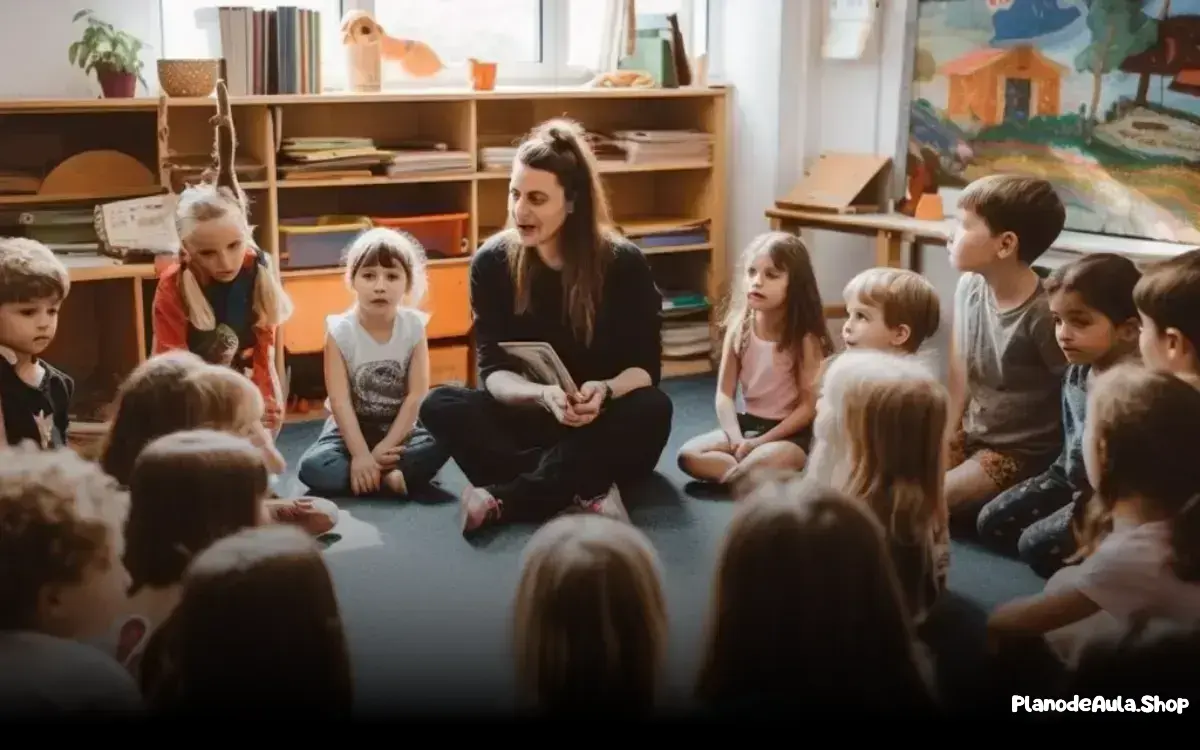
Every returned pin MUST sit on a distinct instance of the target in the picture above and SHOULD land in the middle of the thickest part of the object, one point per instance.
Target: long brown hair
(806, 606)
(589, 618)
(257, 628)
(149, 403)
(1143, 424)
(804, 314)
(188, 490)
(586, 238)
(217, 197)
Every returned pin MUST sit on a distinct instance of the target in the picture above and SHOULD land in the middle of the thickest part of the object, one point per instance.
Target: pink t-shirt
(1128, 575)
(767, 378)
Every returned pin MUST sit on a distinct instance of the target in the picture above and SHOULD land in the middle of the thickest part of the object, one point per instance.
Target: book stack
(648, 146)
(497, 158)
(665, 233)
(425, 160)
(686, 334)
(331, 158)
(271, 51)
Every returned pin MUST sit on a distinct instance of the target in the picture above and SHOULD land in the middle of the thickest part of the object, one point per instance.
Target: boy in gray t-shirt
(1006, 367)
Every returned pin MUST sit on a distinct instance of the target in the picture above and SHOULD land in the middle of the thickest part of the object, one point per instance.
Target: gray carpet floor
(427, 613)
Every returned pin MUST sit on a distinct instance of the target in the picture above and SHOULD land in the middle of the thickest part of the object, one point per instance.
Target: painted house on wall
(993, 86)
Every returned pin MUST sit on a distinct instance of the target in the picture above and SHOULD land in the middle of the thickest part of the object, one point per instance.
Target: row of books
(347, 158)
(685, 333)
(626, 146)
(271, 51)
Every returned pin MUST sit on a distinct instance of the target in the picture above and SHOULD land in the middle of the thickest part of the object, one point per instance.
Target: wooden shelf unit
(105, 327)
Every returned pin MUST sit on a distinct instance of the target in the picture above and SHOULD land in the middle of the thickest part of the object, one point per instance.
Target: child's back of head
(1141, 452)
(890, 309)
(188, 490)
(589, 618)
(806, 610)
(257, 630)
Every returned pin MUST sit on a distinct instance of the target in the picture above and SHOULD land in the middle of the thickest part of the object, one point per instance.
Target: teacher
(560, 275)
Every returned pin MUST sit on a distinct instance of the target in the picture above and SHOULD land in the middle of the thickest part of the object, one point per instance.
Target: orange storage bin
(314, 297)
(449, 365)
(442, 235)
(448, 300)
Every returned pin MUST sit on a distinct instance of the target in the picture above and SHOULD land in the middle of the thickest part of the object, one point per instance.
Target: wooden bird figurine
(416, 58)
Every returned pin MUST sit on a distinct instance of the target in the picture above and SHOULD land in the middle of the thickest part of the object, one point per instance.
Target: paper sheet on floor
(351, 533)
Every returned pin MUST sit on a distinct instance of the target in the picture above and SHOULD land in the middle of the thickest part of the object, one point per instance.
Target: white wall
(791, 105)
(35, 35)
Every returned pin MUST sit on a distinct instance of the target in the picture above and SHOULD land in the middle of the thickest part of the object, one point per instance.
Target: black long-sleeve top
(628, 330)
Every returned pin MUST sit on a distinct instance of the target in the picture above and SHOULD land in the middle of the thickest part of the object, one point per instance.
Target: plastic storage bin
(442, 235)
(318, 242)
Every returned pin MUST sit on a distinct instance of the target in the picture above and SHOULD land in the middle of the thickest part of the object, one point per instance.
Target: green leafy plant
(103, 46)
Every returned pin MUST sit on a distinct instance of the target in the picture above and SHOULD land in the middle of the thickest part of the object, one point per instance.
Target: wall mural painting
(1101, 97)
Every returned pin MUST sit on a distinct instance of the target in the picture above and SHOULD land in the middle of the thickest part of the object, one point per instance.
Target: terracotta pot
(116, 84)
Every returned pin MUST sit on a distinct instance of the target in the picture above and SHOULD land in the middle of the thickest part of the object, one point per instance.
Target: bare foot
(477, 507)
(394, 481)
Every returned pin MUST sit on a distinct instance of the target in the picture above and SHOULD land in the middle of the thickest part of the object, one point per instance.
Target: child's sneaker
(477, 507)
(315, 515)
(609, 504)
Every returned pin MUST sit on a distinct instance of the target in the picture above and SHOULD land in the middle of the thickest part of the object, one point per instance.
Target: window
(191, 29)
(535, 42)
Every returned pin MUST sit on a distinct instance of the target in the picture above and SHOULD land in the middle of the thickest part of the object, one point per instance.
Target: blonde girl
(257, 632)
(177, 391)
(775, 341)
(1142, 553)
(377, 375)
(806, 612)
(590, 618)
(188, 490)
(222, 298)
(879, 433)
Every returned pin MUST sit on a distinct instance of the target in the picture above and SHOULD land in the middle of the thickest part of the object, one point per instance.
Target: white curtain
(617, 33)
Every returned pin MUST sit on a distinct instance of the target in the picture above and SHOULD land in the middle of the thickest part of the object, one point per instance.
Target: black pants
(536, 466)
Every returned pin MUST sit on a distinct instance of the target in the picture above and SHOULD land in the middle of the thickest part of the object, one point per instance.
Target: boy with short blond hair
(62, 584)
(35, 397)
(890, 309)
(1006, 367)
(1168, 303)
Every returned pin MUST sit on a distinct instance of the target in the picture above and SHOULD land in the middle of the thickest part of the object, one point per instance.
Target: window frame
(555, 44)
(555, 38)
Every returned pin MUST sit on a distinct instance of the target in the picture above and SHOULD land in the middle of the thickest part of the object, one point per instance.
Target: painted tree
(1119, 29)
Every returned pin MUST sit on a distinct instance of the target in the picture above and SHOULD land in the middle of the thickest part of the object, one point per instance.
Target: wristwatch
(608, 394)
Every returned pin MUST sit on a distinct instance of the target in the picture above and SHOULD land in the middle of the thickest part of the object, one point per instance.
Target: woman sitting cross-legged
(558, 275)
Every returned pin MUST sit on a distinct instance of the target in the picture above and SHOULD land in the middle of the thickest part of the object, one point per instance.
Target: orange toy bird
(416, 58)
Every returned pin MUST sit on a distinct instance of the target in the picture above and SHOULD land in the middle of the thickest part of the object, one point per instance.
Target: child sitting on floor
(257, 632)
(1096, 324)
(590, 619)
(806, 613)
(188, 490)
(1006, 367)
(35, 397)
(890, 309)
(1168, 302)
(775, 341)
(223, 290)
(377, 374)
(1142, 559)
(879, 437)
(177, 391)
(61, 582)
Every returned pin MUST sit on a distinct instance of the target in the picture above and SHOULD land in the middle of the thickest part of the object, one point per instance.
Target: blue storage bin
(318, 242)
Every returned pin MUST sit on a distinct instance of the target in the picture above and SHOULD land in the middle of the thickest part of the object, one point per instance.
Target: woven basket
(184, 78)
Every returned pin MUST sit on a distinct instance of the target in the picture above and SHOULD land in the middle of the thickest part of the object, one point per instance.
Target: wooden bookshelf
(105, 327)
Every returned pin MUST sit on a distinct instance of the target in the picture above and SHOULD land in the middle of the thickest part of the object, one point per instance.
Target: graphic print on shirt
(45, 427)
(379, 389)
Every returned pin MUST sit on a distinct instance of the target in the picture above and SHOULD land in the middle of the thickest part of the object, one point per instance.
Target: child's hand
(743, 448)
(364, 474)
(387, 456)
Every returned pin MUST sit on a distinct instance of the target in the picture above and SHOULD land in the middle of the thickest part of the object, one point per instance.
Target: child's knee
(323, 471)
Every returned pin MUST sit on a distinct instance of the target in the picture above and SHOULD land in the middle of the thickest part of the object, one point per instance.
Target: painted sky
(1023, 20)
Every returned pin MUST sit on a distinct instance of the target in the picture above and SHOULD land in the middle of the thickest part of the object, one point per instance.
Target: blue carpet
(427, 612)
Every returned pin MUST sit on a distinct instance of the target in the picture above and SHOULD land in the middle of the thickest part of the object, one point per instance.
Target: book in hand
(541, 364)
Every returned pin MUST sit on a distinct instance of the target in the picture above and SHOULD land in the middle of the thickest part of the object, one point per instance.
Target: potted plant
(114, 56)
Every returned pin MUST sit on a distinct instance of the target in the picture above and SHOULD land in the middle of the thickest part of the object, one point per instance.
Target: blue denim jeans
(325, 466)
